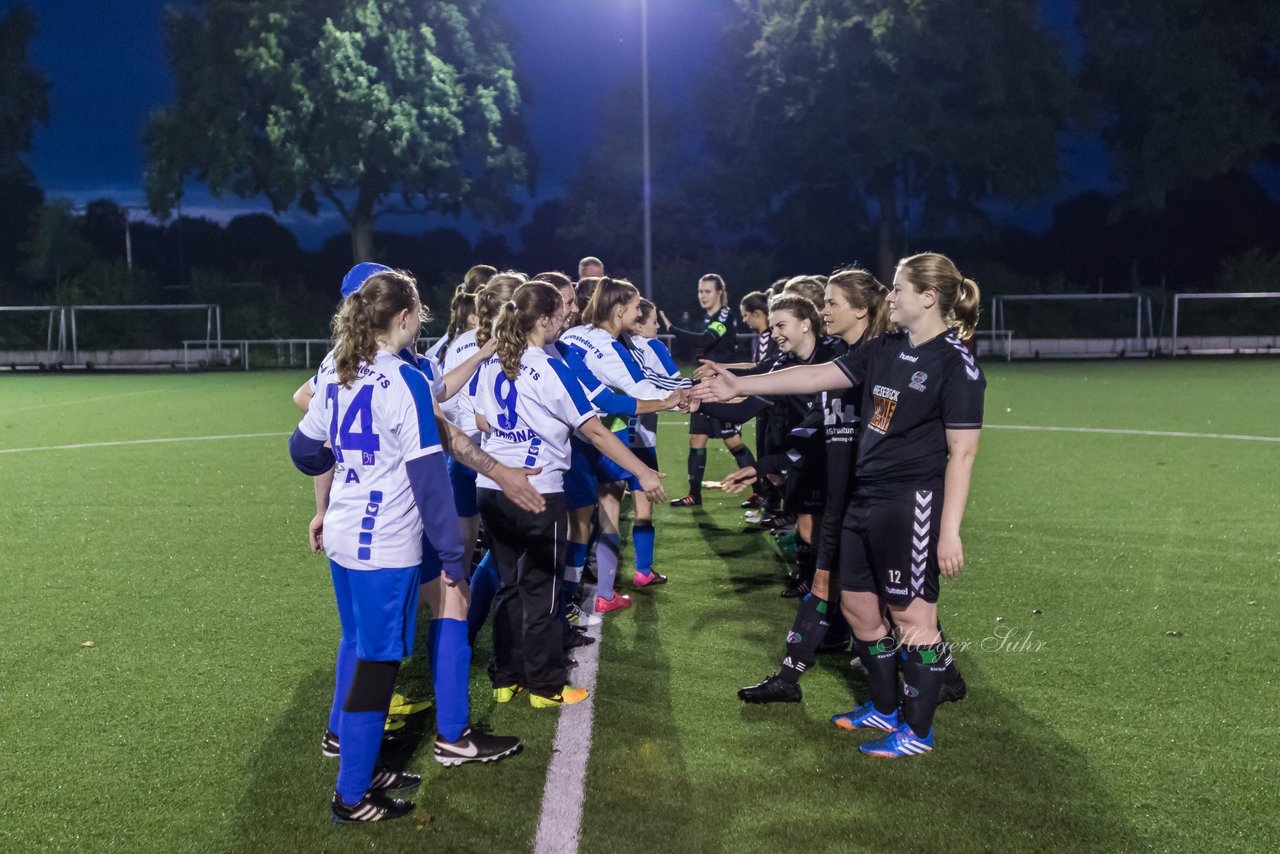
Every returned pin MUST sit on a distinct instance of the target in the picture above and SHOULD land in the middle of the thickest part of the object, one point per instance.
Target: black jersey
(910, 397)
(718, 338)
(764, 348)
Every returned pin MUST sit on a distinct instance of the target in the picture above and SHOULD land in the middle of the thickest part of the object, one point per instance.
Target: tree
(1185, 89)
(941, 102)
(24, 92)
(372, 105)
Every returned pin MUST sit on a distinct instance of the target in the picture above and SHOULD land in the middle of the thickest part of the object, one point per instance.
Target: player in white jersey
(529, 403)
(642, 433)
(373, 423)
(448, 602)
(612, 312)
(460, 409)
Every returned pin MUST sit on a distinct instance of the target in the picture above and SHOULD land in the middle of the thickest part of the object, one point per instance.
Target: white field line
(79, 401)
(142, 442)
(1160, 434)
(1113, 431)
(560, 822)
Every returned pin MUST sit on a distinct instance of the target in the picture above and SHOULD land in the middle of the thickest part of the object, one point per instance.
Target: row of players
(541, 385)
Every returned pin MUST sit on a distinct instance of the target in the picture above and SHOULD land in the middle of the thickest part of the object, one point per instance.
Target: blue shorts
(607, 471)
(580, 479)
(463, 481)
(379, 608)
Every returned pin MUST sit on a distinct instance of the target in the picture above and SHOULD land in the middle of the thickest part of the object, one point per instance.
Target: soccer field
(167, 641)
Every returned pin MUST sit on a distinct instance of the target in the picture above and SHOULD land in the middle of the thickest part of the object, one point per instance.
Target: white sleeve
(315, 422)
(615, 369)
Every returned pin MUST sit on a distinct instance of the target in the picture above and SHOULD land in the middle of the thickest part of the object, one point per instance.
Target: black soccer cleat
(474, 746)
(774, 689)
(689, 500)
(374, 806)
(952, 692)
(329, 746)
(795, 589)
(384, 780)
(576, 638)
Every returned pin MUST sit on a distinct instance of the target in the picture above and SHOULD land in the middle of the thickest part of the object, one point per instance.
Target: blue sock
(360, 734)
(343, 670)
(575, 558)
(484, 586)
(450, 666)
(642, 534)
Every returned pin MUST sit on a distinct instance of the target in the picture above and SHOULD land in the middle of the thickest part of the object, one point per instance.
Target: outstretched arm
(803, 379)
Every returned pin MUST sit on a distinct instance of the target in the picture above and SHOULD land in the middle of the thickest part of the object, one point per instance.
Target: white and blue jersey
(377, 429)
(460, 409)
(661, 370)
(531, 417)
(594, 354)
(428, 364)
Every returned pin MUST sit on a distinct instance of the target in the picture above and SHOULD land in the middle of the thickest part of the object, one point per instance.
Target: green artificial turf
(1140, 714)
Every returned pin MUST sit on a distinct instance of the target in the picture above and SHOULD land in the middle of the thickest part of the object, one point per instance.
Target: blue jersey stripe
(428, 435)
(637, 373)
(571, 385)
(664, 356)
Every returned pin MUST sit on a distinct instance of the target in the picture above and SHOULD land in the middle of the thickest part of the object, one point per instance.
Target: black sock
(743, 456)
(806, 634)
(922, 674)
(880, 660)
(839, 628)
(697, 468)
(952, 674)
(806, 562)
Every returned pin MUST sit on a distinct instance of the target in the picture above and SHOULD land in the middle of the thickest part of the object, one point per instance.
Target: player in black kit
(717, 341)
(922, 406)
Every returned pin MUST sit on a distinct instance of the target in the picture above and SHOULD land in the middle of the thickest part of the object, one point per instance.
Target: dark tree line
(827, 132)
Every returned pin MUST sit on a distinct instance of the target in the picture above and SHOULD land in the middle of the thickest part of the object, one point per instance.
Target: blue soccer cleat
(866, 717)
(901, 742)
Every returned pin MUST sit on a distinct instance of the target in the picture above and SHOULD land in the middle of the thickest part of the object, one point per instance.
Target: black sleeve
(962, 396)
(705, 338)
(854, 363)
(740, 412)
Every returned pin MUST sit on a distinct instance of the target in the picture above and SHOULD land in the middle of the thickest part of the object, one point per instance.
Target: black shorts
(889, 546)
(705, 425)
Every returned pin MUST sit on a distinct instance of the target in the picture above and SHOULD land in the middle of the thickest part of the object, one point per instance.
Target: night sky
(107, 68)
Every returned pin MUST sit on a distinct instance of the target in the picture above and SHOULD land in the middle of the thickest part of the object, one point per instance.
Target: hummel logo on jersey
(904, 357)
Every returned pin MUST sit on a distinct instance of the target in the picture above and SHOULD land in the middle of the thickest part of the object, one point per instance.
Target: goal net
(1069, 325)
(32, 336)
(1226, 323)
(126, 336)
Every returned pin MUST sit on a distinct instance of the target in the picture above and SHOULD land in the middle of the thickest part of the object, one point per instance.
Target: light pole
(644, 111)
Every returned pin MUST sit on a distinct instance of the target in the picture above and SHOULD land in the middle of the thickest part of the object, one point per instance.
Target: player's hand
(662, 315)
(515, 485)
(705, 371)
(651, 483)
(675, 400)
(315, 533)
(721, 385)
(490, 347)
(950, 555)
(739, 480)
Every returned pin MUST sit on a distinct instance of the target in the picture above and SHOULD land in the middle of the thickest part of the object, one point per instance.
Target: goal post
(1073, 327)
(21, 347)
(118, 353)
(1247, 332)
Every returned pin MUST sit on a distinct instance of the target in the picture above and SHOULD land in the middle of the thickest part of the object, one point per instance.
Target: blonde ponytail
(516, 319)
(365, 315)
